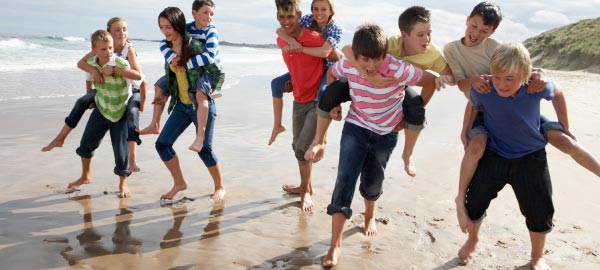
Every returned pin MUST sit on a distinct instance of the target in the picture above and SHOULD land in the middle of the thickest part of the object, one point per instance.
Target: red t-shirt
(306, 70)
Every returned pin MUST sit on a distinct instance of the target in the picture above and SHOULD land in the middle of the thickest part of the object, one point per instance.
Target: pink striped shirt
(377, 109)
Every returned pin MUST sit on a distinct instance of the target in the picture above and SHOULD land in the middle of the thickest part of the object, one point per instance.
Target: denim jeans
(162, 84)
(95, 130)
(181, 117)
(133, 117)
(530, 180)
(81, 105)
(364, 153)
(278, 84)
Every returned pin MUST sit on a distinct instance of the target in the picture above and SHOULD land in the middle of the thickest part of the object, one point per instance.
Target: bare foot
(81, 181)
(291, 189)
(124, 192)
(331, 259)
(466, 251)
(196, 145)
(171, 194)
(315, 152)
(134, 167)
(409, 167)
(370, 227)
(52, 144)
(218, 196)
(540, 264)
(276, 130)
(465, 223)
(306, 203)
(153, 128)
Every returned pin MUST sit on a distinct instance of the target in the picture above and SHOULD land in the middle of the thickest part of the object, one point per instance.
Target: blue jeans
(133, 117)
(364, 153)
(79, 108)
(95, 130)
(278, 84)
(181, 117)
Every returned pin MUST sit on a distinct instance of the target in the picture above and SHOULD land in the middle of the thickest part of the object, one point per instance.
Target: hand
(537, 81)
(92, 105)
(160, 100)
(288, 87)
(108, 70)
(442, 80)
(97, 76)
(336, 113)
(568, 132)
(378, 80)
(293, 46)
(481, 83)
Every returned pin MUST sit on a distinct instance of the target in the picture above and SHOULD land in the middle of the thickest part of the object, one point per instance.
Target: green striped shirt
(111, 96)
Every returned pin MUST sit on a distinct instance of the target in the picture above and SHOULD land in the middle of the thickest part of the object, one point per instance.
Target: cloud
(549, 18)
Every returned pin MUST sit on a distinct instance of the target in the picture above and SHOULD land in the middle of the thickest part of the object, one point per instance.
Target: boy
(515, 152)
(306, 72)
(413, 46)
(108, 115)
(204, 31)
(469, 60)
(368, 137)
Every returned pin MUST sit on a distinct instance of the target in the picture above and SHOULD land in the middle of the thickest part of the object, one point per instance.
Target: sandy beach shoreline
(258, 226)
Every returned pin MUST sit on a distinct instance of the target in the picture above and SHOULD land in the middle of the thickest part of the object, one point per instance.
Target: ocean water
(45, 67)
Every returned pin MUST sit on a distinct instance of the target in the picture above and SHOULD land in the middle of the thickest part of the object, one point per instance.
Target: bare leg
(159, 107)
(179, 183)
(473, 154)
(337, 228)
(370, 224)
(466, 251)
(410, 140)
(215, 173)
(86, 174)
(278, 126)
(538, 240)
(123, 190)
(569, 146)
(59, 140)
(306, 203)
(132, 156)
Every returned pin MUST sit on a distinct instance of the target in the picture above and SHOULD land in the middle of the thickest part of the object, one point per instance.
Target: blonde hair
(314, 26)
(100, 35)
(511, 57)
(114, 20)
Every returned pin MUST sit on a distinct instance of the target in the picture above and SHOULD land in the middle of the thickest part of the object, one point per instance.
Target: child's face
(103, 50)
(118, 30)
(477, 31)
(203, 16)
(418, 39)
(289, 21)
(321, 12)
(370, 65)
(507, 83)
(167, 29)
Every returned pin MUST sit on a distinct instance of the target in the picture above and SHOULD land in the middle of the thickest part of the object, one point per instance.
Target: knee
(276, 88)
(415, 112)
(208, 156)
(476, 146)
(560, 140)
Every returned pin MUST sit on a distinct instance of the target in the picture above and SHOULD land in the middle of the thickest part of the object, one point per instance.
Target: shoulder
(120, 62)
(452, 45)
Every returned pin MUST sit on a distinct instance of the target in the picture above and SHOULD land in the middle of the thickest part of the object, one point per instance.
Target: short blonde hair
(511, 57)
(100, 35)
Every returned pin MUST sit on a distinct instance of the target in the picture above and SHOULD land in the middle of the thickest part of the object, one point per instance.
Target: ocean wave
(16, 43)
(67, 38)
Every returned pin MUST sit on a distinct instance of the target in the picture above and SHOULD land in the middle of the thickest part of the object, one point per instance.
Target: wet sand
(260, 227)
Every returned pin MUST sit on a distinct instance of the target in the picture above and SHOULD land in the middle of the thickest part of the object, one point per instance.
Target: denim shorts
(278, 84)
(530, 180)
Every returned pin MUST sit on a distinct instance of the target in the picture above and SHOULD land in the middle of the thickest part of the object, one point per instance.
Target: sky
(254, 21)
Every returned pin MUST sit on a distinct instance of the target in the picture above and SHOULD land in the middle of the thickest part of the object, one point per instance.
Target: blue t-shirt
(513, 123)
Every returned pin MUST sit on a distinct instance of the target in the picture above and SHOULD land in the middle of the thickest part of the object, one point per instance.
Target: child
(204, 31)
(515, 152)
(413, 46)
(321, 20)
(469, 60)
(111, 104)
(190, 103)
(117, 27)
(306, 72)
(368, 137)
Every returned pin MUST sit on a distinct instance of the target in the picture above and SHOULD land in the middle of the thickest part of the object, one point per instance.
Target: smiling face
(203, 16)
(118, 30)
(477, 31)
(288, 20)
(167, 29)
(418, 39)
(507, 83)
(321, 12)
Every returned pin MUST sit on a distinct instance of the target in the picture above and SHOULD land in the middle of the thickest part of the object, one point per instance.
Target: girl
(321, 20)
(117, 27)
(188, 105)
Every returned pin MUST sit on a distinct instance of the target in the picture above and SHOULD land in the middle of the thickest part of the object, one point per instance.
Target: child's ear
(467, 21)
(404, 34)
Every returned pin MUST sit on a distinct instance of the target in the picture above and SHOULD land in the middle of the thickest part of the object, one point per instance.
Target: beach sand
(260, 227)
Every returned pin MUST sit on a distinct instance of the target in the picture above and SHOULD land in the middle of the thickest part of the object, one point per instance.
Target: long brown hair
(177, 20)
(315, 27)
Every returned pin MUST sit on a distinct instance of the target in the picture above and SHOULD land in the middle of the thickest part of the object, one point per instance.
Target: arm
(133, 62)
(322, 52)
(293, 45)
(427, 83)
(560, 107)
(445, 77)
(208, 55)
(83, 65)
(481, 84)
(127, 73)
(376, 80)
